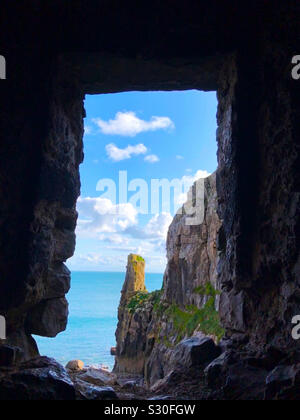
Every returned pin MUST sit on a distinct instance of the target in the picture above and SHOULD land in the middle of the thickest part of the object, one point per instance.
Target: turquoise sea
(94, 298)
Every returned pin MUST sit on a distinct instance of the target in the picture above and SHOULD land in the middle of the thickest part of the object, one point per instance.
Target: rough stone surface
(94, 393)
(192, 248)
(130, 334)
(98, 377)
(283, 383)
(49, 318)
(39, 379)
(9, 356)
(148, 342)
(195, 351)
(75, 365)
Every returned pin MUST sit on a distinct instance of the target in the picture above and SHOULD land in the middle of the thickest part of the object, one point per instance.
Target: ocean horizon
(93, 316)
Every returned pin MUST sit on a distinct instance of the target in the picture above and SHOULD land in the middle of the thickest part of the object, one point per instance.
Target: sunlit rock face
(192, 247)
(150, 340)
(130, 334)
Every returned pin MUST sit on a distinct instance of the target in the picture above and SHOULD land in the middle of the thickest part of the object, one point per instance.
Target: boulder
(38, 379)
(75, 365)
(213, 372)
(171, 379)
(87, 391)
(98, 377)
(195, 351)
(283, 383)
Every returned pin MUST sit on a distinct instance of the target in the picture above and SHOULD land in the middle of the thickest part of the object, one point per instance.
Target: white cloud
(179, 157)
(156, 229)
(115, 239)
(117, 232)
(152, 158)
(100, 215)
(96, 261)
(190, 179)
(117, 154)
(128, 124)
(158, 226)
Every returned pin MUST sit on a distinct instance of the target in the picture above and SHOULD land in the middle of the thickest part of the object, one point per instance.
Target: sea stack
(127, 347)
(135, 277)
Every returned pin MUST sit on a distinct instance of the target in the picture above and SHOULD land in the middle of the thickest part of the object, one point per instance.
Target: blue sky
(150, 135)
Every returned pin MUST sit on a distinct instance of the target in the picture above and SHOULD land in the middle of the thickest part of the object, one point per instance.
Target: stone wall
(39, 189)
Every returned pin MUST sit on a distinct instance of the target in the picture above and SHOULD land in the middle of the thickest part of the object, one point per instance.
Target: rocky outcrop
(192, 246)
(165, 330)
(39, 379)
(130, 334)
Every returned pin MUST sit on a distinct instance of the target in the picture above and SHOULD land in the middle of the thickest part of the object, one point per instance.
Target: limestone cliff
(154, 327)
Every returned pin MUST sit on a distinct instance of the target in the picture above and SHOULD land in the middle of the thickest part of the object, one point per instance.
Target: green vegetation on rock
(140, 298)
(185, 321)
(206, 319)
(137, 301)
(207, 290)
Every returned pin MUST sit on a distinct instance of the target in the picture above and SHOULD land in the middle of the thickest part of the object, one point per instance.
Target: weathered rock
(49, 318)
(192, 248)
(98, 377)
(59, 281)
(244, 382)
(10, 355)
(171, 379)
(75, 365)
(39, 379)
(215, 371)
(283, 383)
(113, 351)
(131, 330)
(195, 351)
(87, 391)
(147, 338)
(25, 342)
